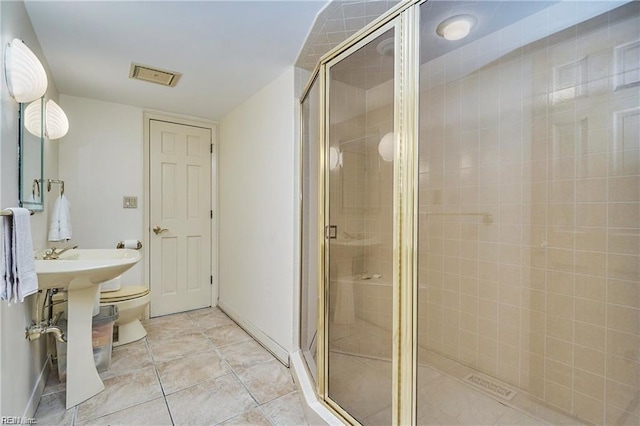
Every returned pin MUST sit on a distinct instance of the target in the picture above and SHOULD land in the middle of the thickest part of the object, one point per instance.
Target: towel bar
(10, 213)
(59, 181)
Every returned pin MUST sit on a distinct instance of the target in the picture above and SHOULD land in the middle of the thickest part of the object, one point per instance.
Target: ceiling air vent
(154, 75)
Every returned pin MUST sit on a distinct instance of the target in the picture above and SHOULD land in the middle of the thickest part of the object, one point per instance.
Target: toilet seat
(125, 293)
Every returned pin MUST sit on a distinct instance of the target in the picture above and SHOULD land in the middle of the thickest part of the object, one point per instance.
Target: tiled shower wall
(545, 294)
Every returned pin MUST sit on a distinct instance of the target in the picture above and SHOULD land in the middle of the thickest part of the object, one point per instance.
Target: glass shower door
(359, 168)
(309, 226)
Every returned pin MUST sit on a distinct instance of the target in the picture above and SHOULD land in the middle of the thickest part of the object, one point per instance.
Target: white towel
(18, 278)
(6, 265)
(60, 226)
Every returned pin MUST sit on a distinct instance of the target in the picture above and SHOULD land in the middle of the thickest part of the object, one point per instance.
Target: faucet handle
(50, 254)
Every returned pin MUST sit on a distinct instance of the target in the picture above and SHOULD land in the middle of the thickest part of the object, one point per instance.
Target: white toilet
(131, 302)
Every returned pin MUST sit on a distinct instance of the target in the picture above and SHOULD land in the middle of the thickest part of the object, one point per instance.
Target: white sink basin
(81, 267)
(79, 272)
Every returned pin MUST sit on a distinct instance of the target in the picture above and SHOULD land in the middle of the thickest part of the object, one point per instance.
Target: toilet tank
(111, 285)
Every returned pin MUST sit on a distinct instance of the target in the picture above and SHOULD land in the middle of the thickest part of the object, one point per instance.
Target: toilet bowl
(131, 302)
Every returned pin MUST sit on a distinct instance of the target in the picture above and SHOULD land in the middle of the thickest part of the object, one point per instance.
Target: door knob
(159, 230)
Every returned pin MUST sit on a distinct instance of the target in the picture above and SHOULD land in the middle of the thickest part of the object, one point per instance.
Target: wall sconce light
(457, 27)
(25, 75)
(33, 118)
(56, 124)
(385, 147)
(335, 158)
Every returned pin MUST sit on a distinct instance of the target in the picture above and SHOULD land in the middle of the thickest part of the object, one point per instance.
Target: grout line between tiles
(268, 417)
(155, 368)
(74, 416)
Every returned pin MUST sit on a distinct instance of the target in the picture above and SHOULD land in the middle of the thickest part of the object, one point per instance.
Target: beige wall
(21, 361)
(100, 163)
(258, 215)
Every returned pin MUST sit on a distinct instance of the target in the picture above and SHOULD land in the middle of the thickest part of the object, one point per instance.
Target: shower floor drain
(491, 386)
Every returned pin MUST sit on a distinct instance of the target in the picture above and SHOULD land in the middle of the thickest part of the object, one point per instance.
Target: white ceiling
(225, 50)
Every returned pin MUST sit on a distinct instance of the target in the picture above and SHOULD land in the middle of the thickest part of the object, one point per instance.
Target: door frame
(146, 225)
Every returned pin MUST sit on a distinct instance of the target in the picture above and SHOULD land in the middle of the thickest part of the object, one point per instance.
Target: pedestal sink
(79, 272)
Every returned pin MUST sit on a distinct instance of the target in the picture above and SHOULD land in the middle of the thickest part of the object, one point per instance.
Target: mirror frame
(36, 206)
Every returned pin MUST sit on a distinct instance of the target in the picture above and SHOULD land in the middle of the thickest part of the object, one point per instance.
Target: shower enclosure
(471, 215)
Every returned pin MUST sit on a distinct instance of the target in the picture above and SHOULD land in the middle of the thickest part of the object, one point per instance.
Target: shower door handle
(331, 232)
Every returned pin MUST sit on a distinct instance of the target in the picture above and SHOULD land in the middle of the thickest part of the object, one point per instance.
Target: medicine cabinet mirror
(31, 155)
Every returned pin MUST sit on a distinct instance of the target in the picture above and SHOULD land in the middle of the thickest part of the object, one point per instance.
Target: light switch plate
(130, 202)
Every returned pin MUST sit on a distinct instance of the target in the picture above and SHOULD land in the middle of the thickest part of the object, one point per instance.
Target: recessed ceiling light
(456, 27)
(385, 47)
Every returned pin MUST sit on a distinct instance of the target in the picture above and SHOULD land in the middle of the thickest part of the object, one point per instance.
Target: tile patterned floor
(193, 368)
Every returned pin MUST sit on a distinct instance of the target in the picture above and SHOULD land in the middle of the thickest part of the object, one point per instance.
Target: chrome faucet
(54, 253)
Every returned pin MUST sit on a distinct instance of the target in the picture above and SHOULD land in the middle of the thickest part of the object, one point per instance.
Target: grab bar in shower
(486, 217)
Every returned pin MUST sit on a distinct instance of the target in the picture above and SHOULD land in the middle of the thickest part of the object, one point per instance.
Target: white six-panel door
(180, 217)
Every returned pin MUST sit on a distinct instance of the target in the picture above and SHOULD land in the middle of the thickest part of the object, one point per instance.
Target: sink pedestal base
(83, 380)
(80, 272)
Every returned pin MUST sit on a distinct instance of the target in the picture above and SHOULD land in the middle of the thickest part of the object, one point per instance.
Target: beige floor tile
(461, 402)
(245, 354)
(210, 317)
(51, 410)
(546, 414)
(514, 417)
(168, 327)
(253, 417)
(381, 418)
(207, 322)
(152, 413)
(266, 381)
(189, 370)
(227, 335)
(433, 416)
(349, 376)
(121, 392)
(205, 312)
(128, 358)
(165, 350)
(285, 411)
(210, 402)
(166, 319)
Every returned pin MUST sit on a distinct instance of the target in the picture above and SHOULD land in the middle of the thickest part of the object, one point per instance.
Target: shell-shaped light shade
(56, 122)
(385, 147)
(33, 118)
(334, 158)
(26, 77)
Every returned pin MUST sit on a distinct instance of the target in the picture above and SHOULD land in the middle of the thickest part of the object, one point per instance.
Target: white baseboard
(315, 412)
(38, 389)
(266, 341)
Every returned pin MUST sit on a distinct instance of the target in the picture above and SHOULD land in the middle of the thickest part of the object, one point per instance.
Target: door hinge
(211, 214)
(211, 148)
(211, 280)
